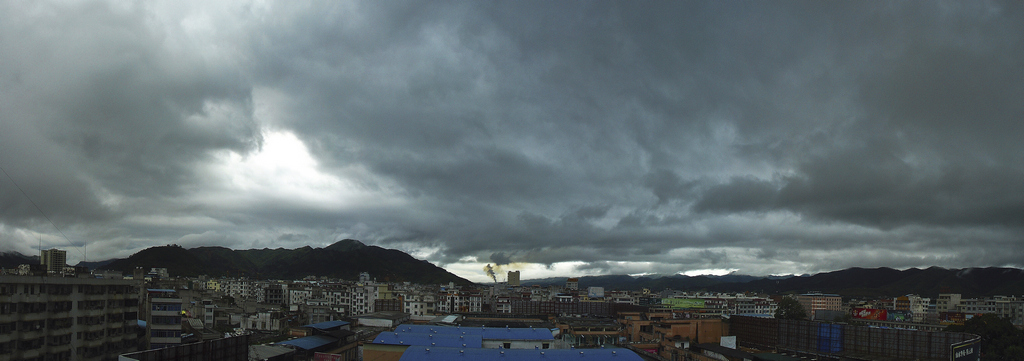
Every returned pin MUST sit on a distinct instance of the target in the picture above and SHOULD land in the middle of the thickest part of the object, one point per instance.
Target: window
(166, 307)
(508, 345)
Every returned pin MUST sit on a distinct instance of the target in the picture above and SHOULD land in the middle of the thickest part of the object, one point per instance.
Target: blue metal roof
(428, 339)
(421, 353)
(327, 325)
(487, 333)
(309, 342)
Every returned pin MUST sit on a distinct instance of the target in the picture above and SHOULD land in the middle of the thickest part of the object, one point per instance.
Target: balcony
(91, 328)
(93, 313)
(94, 297)
(165, 313)
(97, 342)
(35, 316)
(165, 340)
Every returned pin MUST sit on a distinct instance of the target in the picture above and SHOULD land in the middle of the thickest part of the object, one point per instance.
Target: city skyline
(554, 138)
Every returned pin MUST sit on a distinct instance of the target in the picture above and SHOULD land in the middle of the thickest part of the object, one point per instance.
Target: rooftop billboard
(870, 314)
(900, 316)
(682, 302)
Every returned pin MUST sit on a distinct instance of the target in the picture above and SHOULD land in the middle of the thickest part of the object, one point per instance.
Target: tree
(1000, 340)
(845, 318)
(790, 309)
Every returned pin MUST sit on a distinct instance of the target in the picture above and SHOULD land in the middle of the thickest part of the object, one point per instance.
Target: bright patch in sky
(283, 170)
(712, 272)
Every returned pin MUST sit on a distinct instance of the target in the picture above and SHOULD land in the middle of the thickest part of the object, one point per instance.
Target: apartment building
(163, 317)
(265, 320)
(513, 278)
(67, 318)
(274, 294)
(913, 303)
(54, 259)
(213, 285)
(337, 297)
(1011, 308)
(239, 289)
(572, 283)
(456, 301)
(747, 306)
(947, 302)
(298, 296)
(361, 298)
(820, 301)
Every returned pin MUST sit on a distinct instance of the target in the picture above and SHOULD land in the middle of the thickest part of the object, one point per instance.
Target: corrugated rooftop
(309, 342)
(327, 325)
(428, 339)
(422, 353)
(487, 333)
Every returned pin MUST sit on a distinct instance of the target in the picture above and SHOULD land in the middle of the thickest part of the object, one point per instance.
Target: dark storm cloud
(94, 104)
(764, 137)
(500, 258)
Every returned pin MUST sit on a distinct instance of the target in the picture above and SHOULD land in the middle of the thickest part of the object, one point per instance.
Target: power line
(72, 244)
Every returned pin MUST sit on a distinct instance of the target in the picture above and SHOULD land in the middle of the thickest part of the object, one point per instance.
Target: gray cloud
(674, 135)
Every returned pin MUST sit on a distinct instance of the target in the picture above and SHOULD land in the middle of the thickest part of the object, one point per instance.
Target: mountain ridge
(344, 259)
(398, 266)
(850, 282)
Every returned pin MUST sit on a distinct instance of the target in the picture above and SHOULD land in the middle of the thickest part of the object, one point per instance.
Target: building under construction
(851, 342)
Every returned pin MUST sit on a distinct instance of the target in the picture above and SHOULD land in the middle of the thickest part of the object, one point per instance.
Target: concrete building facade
(54, 259)
(820, 301)
(163, 318)
(513, 278)
(65, 318)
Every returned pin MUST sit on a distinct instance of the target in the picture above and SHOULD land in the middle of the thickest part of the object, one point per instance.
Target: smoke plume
(490, 272)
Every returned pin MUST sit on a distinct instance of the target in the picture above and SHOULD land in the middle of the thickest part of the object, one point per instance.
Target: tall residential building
(163, 317)
(54, 259)
(947, 302)
(67, 318)
(513, 278)
(572, 283)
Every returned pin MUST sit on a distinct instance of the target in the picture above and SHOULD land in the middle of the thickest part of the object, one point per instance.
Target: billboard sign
(728, 341)
(952, 318)
(870, 314)
(966, 351)
(595, 292)
(900, 316)
(682, 302)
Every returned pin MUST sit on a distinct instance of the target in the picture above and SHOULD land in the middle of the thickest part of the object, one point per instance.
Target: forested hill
(344, 259)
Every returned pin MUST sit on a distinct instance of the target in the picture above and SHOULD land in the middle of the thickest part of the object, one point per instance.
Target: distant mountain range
(652, 282)
(13, 259)
(851, 282)
(344, 259)
(347, 258)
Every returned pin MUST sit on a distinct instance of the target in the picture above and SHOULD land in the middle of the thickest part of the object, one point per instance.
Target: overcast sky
(560, 138)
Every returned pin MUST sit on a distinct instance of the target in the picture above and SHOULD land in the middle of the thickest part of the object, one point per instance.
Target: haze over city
(557, 138)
